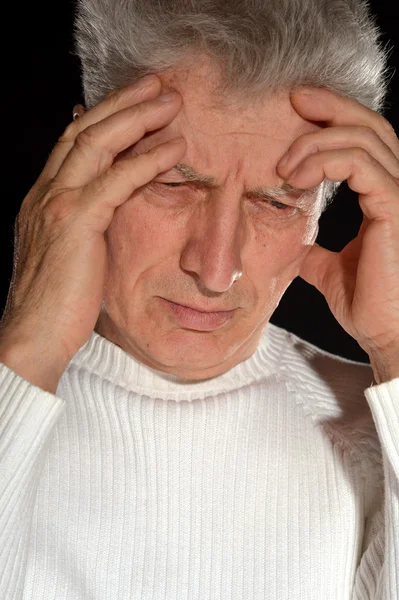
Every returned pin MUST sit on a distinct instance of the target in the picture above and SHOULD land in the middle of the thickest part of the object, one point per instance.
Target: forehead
(236, 141)
(268, 115)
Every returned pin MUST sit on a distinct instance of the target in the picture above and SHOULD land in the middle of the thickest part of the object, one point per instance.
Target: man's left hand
(360, 283)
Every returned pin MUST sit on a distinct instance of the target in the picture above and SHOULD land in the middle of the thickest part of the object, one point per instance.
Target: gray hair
(260, 45)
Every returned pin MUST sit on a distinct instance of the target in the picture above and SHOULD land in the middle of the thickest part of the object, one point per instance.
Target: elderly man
(160, 438)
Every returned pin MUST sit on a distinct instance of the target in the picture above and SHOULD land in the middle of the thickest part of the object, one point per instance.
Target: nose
(214, 248)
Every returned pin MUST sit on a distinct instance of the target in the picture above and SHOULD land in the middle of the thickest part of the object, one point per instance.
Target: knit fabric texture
(277, 480)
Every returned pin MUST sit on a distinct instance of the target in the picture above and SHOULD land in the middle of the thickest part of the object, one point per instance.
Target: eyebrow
(264, 192)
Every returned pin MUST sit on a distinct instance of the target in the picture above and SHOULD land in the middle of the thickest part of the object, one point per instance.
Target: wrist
(33, 361)
(385, 367)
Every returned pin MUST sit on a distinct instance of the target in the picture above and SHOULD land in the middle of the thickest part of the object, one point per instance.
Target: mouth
(202, 310)
(191, 318)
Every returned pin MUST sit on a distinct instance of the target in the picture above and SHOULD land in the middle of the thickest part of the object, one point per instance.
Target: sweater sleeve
(28, 416)
(377, 576)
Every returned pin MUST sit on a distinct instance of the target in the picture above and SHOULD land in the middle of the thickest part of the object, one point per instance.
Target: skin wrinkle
(263, 192)
(186, 246)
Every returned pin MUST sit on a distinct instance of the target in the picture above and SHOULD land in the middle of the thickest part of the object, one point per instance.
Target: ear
(78, 111)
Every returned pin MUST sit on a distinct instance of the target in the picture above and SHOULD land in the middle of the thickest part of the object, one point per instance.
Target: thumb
(314, 267)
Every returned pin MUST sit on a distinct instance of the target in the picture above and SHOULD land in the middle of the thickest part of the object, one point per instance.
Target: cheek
(279, 247)
(298, 245)
(139, 233)
(143, 235)
(275, 257)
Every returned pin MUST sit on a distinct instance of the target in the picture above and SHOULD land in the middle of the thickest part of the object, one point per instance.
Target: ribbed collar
(110, 362)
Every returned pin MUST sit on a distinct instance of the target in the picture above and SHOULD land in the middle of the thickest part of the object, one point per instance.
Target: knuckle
(115, 176)
(118, 170)
(57, 203)
(101, 186)
(49, 193)
(86, 138)
(368, 133)
(361, 155)
(58, 209)
(91, 144)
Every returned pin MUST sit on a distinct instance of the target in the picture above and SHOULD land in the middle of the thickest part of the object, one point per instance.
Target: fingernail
(284, 160)
(168, 97)
(147, 80)
(293, 175)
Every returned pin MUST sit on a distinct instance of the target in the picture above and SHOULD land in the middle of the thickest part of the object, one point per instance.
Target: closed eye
(277, 205)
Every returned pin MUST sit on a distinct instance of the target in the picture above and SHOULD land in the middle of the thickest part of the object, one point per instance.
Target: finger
(315, 267)
(97, 146)
(145, 89)
(323, 105)
(379, 192)
(118, 184)
(341, 137)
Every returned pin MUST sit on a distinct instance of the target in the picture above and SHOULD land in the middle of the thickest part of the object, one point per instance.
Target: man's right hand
(60, 251)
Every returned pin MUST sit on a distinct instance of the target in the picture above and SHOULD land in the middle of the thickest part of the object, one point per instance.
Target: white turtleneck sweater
(278, 480)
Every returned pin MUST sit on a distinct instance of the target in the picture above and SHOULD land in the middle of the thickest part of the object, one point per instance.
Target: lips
(198, 320)
(203, 310)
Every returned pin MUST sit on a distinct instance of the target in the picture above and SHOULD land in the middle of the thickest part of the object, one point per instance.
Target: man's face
(186, 243)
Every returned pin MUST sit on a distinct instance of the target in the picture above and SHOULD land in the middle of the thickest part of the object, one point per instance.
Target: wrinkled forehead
(205, 107)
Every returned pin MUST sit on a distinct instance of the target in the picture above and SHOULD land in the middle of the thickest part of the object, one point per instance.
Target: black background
(41, 84)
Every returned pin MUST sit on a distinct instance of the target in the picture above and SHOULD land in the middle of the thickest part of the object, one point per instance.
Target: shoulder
(329, 389)
(317, 371)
